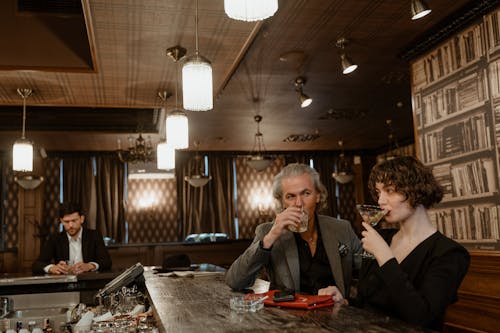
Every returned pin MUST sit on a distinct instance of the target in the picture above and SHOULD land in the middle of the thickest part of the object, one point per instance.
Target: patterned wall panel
(152, 211)
(254, 195)
(50, 197)
(10, 206)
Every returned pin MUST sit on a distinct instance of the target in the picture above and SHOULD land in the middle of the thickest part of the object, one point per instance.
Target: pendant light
(22, 151)
(165, 156)
(177, 125)
(197, 79)
(198, 176)
(250, 10)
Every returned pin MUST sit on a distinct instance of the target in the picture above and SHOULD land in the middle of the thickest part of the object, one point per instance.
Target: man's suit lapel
(330, 242)
(289, 248)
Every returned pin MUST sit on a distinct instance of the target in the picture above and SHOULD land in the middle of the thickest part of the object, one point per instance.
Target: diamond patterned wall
(152, 211)
(10, 206)
(51, 196)
(254, 194)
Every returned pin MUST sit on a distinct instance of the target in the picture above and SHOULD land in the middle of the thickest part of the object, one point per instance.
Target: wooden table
(201, 304)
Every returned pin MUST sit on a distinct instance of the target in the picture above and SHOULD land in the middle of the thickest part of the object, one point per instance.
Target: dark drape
(324, 164)
(110, 212)
(221, 194)
(79, 185)
(209, 208)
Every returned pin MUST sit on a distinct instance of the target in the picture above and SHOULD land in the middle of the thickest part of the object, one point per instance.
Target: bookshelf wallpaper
(456, 109)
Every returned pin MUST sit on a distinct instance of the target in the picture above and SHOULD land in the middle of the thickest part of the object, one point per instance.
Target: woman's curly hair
(410, 178)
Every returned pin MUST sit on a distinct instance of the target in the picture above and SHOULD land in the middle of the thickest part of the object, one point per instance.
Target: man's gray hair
(294, 170)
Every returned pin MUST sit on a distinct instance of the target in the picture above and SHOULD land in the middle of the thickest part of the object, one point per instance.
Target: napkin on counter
(103, 317)
(85, 323)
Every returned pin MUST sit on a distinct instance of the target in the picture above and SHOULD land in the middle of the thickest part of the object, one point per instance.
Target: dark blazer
(57, 248)
(282, 261)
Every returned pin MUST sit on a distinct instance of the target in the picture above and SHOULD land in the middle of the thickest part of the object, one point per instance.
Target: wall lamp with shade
(304, 99)
(419, 9)
(250, 10)
(258, 160)
(343, 173)
(197, 86)
(22, 150)
(348, 66)
(198, 178)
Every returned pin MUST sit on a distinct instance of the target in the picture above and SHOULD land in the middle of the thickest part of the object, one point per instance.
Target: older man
(318, 260)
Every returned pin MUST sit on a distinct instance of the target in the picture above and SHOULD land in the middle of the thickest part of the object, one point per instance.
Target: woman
(417, 270)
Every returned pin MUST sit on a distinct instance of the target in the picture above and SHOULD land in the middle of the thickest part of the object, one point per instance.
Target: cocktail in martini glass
(370, 214)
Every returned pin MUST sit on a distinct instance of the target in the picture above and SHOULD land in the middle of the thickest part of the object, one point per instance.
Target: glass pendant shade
(22, 156)
(177, 130)
(250, 10)
(165, 155)
(197, 84)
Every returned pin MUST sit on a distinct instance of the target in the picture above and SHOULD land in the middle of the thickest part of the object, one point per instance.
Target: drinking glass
(304, 221)
(370, 214)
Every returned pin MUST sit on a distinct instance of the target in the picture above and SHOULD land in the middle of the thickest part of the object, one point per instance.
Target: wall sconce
(28, 182)
(250, 10)
(22, 150)
(197, 79)
(258, 159)
(346, 63)
(419, 9)
(197, 177)
(305, 100)
(344, 174)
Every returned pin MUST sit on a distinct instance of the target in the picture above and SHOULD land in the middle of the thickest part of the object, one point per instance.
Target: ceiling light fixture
(419, 9)
(305, 100)
(343, 174)
(140, 150)
(198, 177)
(250, 10)
(22, 150)
(177, 124)
(165, 156)
(197, 79)
(347, 65)
(258, 159)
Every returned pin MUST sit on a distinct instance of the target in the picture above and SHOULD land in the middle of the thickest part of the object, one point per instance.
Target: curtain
(110, 186)
(221, 195)
(79, 186)
(209, 208)
(323, 163)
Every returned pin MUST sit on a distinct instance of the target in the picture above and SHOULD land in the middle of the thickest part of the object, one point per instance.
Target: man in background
(75, 250)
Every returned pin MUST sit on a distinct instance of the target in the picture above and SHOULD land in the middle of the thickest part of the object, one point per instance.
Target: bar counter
(201, 304)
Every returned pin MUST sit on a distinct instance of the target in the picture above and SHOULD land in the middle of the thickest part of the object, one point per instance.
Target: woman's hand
(334, 292)
(375, 244)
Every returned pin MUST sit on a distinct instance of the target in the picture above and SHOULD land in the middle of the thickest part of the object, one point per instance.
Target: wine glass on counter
(372, 215)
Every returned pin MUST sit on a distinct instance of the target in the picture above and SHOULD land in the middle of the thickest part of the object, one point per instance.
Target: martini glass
(370, 214)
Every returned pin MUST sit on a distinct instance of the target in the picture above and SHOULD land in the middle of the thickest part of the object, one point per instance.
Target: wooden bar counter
(201, 304)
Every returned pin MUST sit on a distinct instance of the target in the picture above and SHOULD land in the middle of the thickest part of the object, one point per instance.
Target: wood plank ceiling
(96, 68)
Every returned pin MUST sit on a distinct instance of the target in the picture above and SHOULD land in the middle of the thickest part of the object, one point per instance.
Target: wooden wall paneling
(30, 215)
(478, 305)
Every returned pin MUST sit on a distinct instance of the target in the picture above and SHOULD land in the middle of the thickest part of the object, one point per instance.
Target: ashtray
(247, 303)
